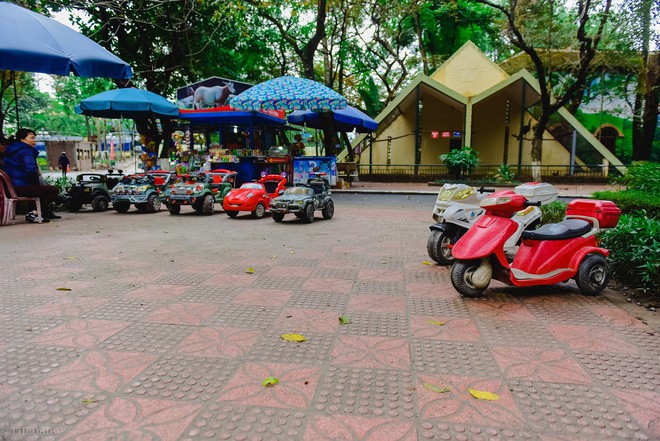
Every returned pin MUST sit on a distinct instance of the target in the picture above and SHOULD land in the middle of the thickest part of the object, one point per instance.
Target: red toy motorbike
(551, 254)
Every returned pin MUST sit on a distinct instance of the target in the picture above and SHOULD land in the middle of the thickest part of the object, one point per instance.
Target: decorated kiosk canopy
(126, 103)
(343, 120)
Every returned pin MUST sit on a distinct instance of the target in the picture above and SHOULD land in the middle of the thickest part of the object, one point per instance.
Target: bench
(10, 199)
(347, 171)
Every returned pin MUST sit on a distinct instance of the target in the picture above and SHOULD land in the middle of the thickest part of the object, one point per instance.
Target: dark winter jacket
(63, 161)
(21, 164)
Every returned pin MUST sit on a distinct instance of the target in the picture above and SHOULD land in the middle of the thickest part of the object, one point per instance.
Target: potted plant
(462, 161)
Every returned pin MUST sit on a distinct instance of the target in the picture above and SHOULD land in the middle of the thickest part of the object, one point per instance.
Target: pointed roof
(469, 71)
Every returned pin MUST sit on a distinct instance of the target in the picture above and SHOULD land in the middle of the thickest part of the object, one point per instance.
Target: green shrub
(635, 252)
(633, 201)
(553, 212)
(504, 174)
(61, 182)
(461, 161)
(642, 176)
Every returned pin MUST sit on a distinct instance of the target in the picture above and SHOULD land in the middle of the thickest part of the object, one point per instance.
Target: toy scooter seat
(566, 229)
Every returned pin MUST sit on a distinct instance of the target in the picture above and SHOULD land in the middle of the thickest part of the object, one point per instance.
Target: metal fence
(433, 172)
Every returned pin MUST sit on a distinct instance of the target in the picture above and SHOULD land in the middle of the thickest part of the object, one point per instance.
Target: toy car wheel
(232, 213)
(100, 203)
(308, 213)
(593, 274)
(277, 217)
(462, 273)
(174, 209)
(121, 207)
(153, 203)
(328, 210)
(260, 211)
(207, 205)
(438, 247)
(73, 205)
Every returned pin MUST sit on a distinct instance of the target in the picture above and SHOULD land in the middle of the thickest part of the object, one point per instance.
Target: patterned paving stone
(127, 309)
(366, 392)
(371, 352)
(23, 365)
(505, 332)
(180, 377)
(430, 275)
(386, 263)
(506, 309)
(644, 339)
(182, 313)
(592, 338)
(334, 427)
(183, 278)
(364, 287)
(438, 429)
(147, 337)
(574, 410)
(244, 316)
(550, 364)
(383, 325)
(302, 320)
(550, 309)
(43, 414)
(622, 371)
(377, 303)
(443, 328)
(334, 273)
(271, 347)
(643, 406)
(278, 283)
(447, 357)
(454, 307)
(81, 333)
(218, 342)
(342, 286)
(208, 294)
(22, 328)
(298, 262)
(227, 421)
(319, 300)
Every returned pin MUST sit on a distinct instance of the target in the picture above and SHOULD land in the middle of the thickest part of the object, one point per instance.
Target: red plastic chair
(10, 199)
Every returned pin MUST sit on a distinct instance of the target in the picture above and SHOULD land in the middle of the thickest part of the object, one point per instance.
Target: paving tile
(329, 273)
(377, 303)
(147, 337)
(443, 328)
(307, 320)
(68, 306)
(380, 275)
(622, 371)
(448, 357)
(81, 333)
(490, 309)
(208, 294)
(337, 427)
(643, 406)
(438, 276)
(555, 309)
(221, 342)
(156, 292)
(592, 338)
(24, 365)
(244, 316)
(182, 313)
(278, 283)
(231, 280)
(538, 363)
(181, 377)
(431, 290)
(271, 347)
(328, 285)
(436, 306)
(575, 411)
(128, 309)
(319, 300)
(371, 352)
(507, 332)
(366, 392)
(183, 278)
(262, 297)
(439, 429)
(376, 324)
(368, 287)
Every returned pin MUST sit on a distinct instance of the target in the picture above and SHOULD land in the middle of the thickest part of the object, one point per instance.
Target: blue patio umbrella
(31, 42)
(289, 93)
(127, 103)
(344, 120)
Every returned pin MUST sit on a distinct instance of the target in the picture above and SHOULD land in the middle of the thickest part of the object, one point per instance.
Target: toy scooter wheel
(308, 214)
(593, 274)
(100, 203)
(174, 209)
(207, 205)
(232, 213)
(328, 210)
(259, 211)
(462, 273)
(277, 217)
(121, 207)
(438, 247)
(153, 203)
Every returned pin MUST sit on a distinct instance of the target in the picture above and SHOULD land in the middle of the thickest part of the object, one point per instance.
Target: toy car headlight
(444, 195)
(119, 190)
(87, 190)
(463, 194)
(487, 202)
(142, 189)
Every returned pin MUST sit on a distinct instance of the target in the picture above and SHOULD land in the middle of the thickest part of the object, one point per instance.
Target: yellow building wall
(440, 117)
(402, 147)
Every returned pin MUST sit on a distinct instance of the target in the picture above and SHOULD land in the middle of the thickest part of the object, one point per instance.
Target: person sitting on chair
(298, 147)
(23, 171)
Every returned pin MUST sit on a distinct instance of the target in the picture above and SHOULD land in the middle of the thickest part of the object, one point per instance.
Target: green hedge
(635, 252)
(633, 201)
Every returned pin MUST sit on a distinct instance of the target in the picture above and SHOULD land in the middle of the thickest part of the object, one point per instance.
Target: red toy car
(254, 196)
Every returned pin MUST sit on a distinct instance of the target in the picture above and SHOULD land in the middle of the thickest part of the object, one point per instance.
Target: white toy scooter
(457, 209)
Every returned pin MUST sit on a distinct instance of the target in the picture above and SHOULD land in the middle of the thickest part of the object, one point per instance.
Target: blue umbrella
(31, 42)
(126, 103)
(344, 120)
(289, 93)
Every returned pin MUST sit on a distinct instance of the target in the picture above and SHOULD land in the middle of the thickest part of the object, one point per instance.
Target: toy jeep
(91, 188)
(200, 191)
(145, 190)
(303, 200)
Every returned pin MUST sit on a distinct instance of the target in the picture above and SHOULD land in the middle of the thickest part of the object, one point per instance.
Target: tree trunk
(649, 118)
(537, 153)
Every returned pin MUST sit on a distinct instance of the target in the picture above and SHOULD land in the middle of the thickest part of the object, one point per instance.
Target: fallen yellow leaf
(250, 270)
(270, 381)
(292, 252)
(63, 289)
(426, 262)
(344, 320)
(483, 395)
(434, 388)
(436, 322)
(294, 338)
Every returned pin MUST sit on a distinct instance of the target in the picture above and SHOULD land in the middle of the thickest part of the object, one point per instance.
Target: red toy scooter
(551, 254)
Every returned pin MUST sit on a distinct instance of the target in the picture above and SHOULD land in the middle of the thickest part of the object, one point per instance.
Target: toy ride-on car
(145, 190)
(200, 190)
(91, 188)
(254, 197)
(304, 200)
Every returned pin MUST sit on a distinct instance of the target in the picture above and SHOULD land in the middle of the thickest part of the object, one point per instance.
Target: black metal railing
(486, 172)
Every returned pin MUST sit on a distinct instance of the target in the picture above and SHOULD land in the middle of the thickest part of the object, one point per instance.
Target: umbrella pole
(13, 81)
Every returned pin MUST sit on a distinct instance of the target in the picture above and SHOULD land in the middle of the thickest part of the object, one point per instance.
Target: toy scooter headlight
(444, 195)
(489, 202)
(464, 194)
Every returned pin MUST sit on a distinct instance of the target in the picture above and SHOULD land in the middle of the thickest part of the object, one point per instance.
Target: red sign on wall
(435, 134)
(446, 134)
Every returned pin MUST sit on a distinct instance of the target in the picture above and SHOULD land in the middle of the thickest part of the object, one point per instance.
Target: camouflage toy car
(200, 191)
(91, 188)
(145, 190)
(304, 200)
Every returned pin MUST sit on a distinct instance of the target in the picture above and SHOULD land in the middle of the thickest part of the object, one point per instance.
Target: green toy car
(91, 188)
(145, 190)
(200, 190)
(304, 200)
